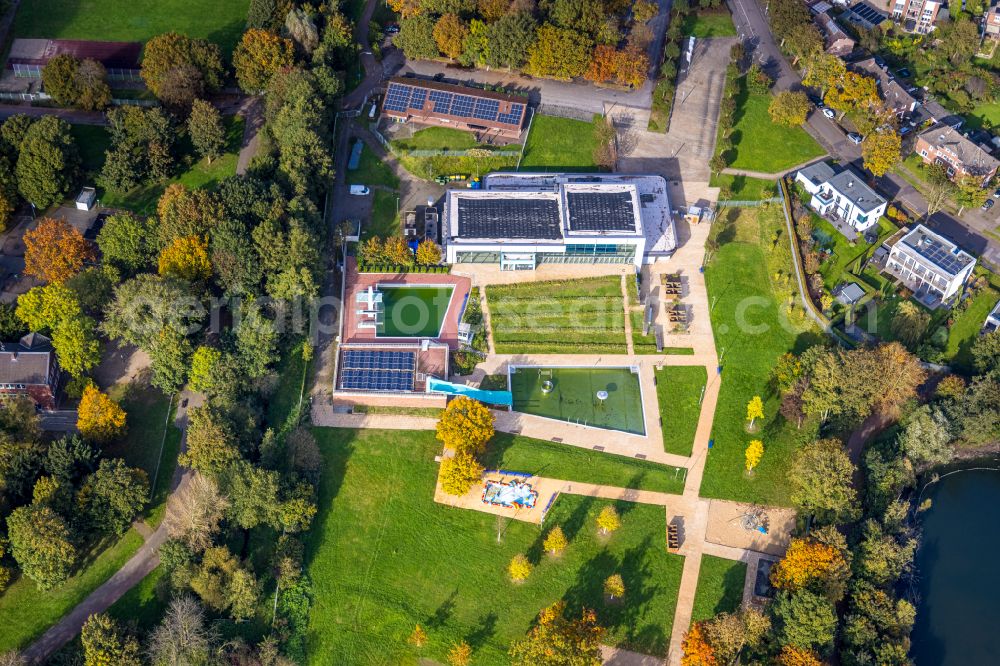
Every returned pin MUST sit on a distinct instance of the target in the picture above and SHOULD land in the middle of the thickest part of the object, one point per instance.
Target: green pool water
(413, 312)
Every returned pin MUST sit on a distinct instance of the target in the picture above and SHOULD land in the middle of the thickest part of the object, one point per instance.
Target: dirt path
(253, 121)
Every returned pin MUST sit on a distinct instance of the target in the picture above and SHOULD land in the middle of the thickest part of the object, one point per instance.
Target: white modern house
(520, 221)
(841, 196)
(993, 320)
(929, 264)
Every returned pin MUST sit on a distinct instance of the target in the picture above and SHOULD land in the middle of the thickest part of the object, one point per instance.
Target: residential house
(842, 197)
(993, 320)
(929, 264)
(29, 367)
(918, 16)
(865, 16)
(835, 40)
(894, 95)
(991, 21)
(960, 156)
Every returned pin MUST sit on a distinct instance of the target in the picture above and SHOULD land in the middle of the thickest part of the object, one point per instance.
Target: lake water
(958, 618)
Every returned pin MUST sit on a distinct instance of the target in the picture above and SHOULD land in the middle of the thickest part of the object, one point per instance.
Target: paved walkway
(145, 560)
(772, 176)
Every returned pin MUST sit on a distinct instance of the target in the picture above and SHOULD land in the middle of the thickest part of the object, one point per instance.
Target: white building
(842, 197)
(930, 265)
(522, 220)
(993, 320)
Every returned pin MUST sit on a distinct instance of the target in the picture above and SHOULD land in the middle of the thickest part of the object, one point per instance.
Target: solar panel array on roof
(377, 370)
(937, 253)
(401, 97)
(526, 218)
(600, 211)
(868, 13)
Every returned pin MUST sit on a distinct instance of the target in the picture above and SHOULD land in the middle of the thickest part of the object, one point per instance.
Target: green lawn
(761, 145)
(569, 317)
(752, 330)
(989, 111)
(720, 587)
(559, 144)
(373, 171)
(132, 20)
(678, 390)
(845, 254)
(573, 396)
(385, 216)
(445, 138)
(200, 174)
(966, 327)
(573, 463)
(709, 23)
(142, 606)
(25, 613)
(281, 406)
(744, 188)
(93, 141)
(383, 557)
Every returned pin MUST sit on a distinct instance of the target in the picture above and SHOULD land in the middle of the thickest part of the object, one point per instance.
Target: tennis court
(413, 312)
(607, 398)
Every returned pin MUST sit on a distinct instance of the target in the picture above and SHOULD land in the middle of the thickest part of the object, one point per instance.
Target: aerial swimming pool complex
(608, 398)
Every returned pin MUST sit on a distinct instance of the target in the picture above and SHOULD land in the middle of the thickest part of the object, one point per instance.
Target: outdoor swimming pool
(413, 311)
(609, 398)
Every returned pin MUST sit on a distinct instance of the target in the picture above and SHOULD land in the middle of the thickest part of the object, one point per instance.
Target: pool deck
(359, 282)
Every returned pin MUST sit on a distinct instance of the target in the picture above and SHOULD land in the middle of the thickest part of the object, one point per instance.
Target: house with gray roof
(841, 196)
(959, 155)
(894, 96)
(29, 368)
(929, 264)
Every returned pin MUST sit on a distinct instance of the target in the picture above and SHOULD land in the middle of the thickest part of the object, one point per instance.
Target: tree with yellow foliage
(465, 425)
(459, 472)
(449, 33)
(755, 410)
(806, 561)
(99, 418)
(754, 452)
(519, 568)
(186, 258)
(259, 56)
(428, 253)
(555, 541)
(794, 656)
(460, 654)
(697, 651)
(418, 638)
(558, 640)
(608, 520)
(614, 587)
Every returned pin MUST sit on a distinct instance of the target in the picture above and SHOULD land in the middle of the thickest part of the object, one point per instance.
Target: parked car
(904, 130)
(360, 190)
(996, 193)
(988, 204)
(392, 29)
(903, 72)
(855, 138)
(829, 113)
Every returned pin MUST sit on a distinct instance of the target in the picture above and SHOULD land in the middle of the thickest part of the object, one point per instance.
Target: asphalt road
(968, 231)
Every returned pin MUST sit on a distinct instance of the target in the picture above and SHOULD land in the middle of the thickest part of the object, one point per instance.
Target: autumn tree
(99, 418)
(195, 511)
(397, 251)
(92, 80)
(881, 151)
(55, 251)
(106, 643)
(793, 656)
(821, 480)
(465, 425)
(41, 544)
(428, 253)
(909, 323)
(614, 587)
(178, 69)
(211, 442)
(184, 636)
(74, 335)
(754, 452)
(449, 35)
(185, 212)
(418, 638)
(224, 584)
(807, 561)
(459, 472)
(259, 56)
(697, 650)
(519, 568)
(730, 633)
(59, 79)
(969, 191)
(853, 92)
(48, 162)
(555, 541)
(186, 258)
(608, 520)
(558, 53)
(789, 108)
(822, 71)
(460, 654)
(208, 134)
(557, 640)
(802, 41)
(755, 410)
(644, 10)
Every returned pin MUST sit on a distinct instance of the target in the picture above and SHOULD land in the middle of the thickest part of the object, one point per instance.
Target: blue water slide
(489, 397)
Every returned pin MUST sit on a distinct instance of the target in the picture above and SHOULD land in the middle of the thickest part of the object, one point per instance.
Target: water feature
(959, 581)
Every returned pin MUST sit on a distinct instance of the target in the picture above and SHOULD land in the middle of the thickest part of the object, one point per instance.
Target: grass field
(743, 188)
(142, 200)
(845, 255)
(414, 311)
(752, 330)
(25, 613)
(385, 216)
(678, 390)
(568, 317)
(372, 171)
(445, 138)
(761, 145)
(559, 144)
(573, 396)
(132, 20)
(720, 587)
(709, 23)
(966, 327)
(573, 463)
(989, 111)
(383, 557)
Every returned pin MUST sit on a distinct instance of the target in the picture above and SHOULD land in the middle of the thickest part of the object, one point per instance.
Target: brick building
(29, 367)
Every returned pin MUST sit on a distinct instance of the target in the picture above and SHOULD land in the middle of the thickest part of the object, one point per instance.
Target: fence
(748, 204)
(43, 97)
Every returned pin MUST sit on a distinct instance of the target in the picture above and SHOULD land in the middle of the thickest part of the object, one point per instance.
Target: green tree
(559, 53)
(253, 494)
(127, 242)
(509, 40)
(105, 643)
(265, 15)
(113, 496)
(986, 352)
(48, 162)
(92, 78)
(416, 38)
(804, 619)
(41, 544)
(299, 131)
(169, 355)
(178, 69)
(821, 481)
(145, 305)
(969, 192)
(208, 134)
(256, 340)
(211, 442)
(882, 558)
(12, 134)
(59, 79)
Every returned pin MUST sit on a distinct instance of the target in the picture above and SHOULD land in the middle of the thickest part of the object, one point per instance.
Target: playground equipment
(512, 495)
(754, 520)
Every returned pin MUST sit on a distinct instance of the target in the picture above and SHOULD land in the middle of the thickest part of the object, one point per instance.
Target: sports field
(411, 312)
(572, 396)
